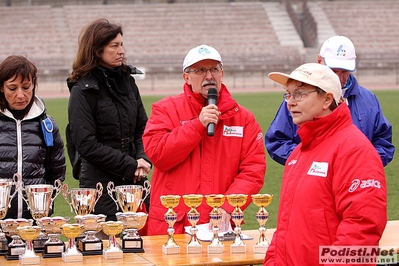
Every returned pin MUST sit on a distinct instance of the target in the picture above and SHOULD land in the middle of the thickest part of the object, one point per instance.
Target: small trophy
(5, 202)
(132, 223)
(215, 201)
(170, 202)
(40, 200)
(53, 247)
(90, 245)
(193, 201)
(262, 201)
(82, 200)
(71, 231)
(16, 247)
(29, 233)
(111, 228)
(237, 201)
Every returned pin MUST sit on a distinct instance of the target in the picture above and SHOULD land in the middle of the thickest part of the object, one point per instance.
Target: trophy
(237, 201)
(170, 202)
(40, 200)
(90, 244)
(16, 247)
(29, 233)
(128, 198)
(5, 202)
(215, 201)
(193, 201)
(71, 231)
(53, 247)
(82, 200)
(262, 200)
(111, 228)
(132, 223)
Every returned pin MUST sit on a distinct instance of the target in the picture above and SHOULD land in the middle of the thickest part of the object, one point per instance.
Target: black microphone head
(213, 94)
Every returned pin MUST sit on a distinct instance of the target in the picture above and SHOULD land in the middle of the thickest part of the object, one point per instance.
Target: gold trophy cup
(193, 201)
(215, 201)
(29, 233)
(237, 201)
(262, 201)
(111, 228)
(170, 202)
(71, 231)
(132, 223)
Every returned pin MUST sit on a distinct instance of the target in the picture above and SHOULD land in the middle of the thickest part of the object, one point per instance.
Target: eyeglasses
(297, 95)
(203, 71)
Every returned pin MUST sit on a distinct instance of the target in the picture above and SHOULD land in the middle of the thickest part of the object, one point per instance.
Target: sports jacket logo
(364, 184)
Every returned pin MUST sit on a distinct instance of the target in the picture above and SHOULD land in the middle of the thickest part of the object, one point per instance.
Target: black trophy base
(38, 245)
(132, 246)
(53, 250)
(14, 252)
(3, 246)
(91, 248)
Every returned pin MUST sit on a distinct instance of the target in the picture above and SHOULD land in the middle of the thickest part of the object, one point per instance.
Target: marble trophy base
(170, 250)
(113, 253)
(69, 257)
(260, 249)
(219, 249)
(29, 259)
(236, 249)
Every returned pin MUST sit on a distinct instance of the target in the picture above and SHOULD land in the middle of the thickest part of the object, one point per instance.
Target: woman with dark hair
(106, 115)
(23, 146)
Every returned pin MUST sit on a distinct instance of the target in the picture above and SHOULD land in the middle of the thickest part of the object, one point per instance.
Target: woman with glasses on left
(23, 146)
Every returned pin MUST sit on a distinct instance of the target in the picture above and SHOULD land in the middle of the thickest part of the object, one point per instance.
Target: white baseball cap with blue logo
(339, 52)
(200, 53)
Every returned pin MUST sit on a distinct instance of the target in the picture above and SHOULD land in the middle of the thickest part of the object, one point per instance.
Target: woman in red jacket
(333, 193)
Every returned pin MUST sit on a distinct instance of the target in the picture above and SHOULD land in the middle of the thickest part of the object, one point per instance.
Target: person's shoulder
(170, 99)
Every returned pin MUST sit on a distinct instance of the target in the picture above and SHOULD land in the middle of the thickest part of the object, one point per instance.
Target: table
(153, 252)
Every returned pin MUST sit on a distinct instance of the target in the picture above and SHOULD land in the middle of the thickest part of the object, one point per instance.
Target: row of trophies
(44, 236)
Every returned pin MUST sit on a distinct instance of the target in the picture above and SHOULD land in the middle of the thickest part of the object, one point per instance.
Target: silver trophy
(53, 247)
(40, 199)
(5, 203)
(16, 247)
(128, 198)
(91, 224)
(82, 200)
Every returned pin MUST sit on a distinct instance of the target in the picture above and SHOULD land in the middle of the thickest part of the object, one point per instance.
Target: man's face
(342, 74)
(204, 75)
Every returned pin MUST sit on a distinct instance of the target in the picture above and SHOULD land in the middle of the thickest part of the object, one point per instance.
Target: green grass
(264, 106)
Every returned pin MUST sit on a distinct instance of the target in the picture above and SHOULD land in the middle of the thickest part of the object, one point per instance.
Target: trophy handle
(17, 179)
(110, 189)
(57, 188)
(21, 187)
(146, 188)
(65, 194)
(99, 192)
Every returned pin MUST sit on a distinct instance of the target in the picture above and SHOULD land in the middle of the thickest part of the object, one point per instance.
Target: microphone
(212, 99)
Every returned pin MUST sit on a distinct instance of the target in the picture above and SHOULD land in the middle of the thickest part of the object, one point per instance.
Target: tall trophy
(170, 202)
(128, 198)
(111, 228)
(5, 202)
(237, 201)
(82, 200)
(215, 216)
(53, 247)
(193, 201)
(262, 201)
(29, 233)
(39, 200)
(16, 247)
(71, 231)
(91, 223)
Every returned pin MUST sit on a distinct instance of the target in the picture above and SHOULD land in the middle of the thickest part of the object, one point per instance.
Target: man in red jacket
(188, 161)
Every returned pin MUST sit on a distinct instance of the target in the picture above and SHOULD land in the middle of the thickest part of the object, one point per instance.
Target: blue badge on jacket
(47, 128)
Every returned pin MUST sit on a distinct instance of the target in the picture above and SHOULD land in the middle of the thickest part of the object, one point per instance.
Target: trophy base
(260, 249)
(91, 248)
(216, 249)
(194, 249)
(3, 246)
(238, 249)
(53, 250)
(170, 250)
(112, 254)
(29, 260)
(38, 245)
(132, 245)
(14, 252)
(72, 257)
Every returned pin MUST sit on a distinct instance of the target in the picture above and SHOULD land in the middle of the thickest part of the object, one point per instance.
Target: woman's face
(113, 53)
(309, 105)
(17, 92)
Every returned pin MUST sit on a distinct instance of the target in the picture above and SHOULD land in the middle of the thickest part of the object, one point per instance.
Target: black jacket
(40, 164)
(107, 123)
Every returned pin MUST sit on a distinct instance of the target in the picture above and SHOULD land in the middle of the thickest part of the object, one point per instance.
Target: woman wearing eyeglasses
(189, 161)
(333, 194)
